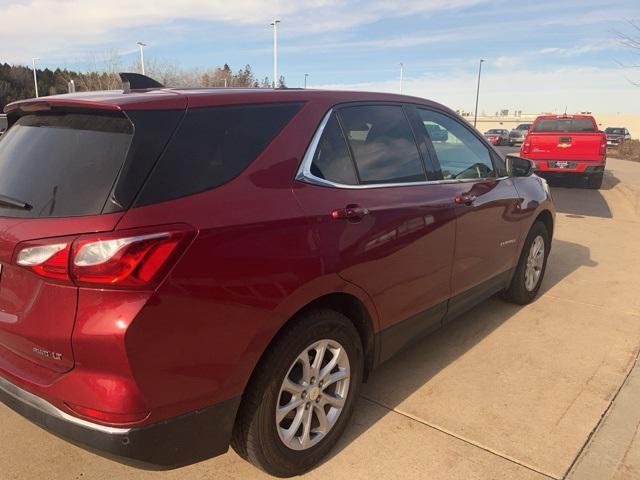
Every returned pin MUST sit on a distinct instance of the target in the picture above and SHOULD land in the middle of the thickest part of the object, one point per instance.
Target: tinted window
(212, 146)
(62, 164)
(564, 125)
(616, 131)
(460, 153)
(332, 160)
(382, 143)
(3, 123)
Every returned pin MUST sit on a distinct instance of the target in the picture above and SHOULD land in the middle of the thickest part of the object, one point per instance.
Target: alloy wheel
(535, 262)
(313, 394)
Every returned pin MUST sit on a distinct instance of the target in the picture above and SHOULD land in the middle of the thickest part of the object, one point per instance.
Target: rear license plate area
(562, 164)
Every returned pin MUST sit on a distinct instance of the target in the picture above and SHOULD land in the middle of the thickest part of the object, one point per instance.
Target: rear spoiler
(137, 81)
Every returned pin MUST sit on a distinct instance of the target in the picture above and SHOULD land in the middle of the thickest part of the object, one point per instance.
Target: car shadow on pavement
(415, 366)
(572, 198)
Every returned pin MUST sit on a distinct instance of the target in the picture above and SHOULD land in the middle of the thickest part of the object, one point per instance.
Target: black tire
(517, 291)
(594, 181)
(255, 436)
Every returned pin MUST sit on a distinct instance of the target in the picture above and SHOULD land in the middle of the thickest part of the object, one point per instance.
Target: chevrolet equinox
(188, 269)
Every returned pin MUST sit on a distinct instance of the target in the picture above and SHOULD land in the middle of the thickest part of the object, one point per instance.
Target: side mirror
(518, 166)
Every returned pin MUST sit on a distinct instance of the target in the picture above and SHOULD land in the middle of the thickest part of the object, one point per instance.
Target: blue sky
(539, 56)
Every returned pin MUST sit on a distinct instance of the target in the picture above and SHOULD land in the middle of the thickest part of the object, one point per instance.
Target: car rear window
(382, 143)
(62, 164)
(564, 125)
(213, 146)
(332, 160)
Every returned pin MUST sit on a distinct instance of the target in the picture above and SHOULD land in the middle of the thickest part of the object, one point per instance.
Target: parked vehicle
(565, 145)
(518, 134)
(437, 133)
(616, 135)
(194, 268)
(3, 123)
(497, 136)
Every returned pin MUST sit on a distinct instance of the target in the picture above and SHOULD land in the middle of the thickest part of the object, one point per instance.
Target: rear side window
(212, 146)
(564, 125)
(460, 153)
(332, 160)
(62, 164)
(382, 143)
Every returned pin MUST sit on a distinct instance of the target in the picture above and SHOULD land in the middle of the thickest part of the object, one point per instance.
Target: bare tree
(631, 40)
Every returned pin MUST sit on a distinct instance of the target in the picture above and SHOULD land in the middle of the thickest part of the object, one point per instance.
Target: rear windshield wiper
(9, 202)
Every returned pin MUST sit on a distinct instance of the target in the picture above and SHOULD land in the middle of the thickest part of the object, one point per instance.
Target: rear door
(57, 171)
(487, 209)
(379, 222)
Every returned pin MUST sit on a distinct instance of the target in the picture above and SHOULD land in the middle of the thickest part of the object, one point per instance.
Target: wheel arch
(546, 217)
(357, 310)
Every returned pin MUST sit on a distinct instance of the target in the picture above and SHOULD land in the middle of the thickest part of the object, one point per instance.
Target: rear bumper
(576, 167)
(169, 444)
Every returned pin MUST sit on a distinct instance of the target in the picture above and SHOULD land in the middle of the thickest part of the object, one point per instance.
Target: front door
(487, 207)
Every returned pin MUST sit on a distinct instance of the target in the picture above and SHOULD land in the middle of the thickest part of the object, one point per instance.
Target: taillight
(526, 146)
(47, 260)
(124, 259)
(603, 145)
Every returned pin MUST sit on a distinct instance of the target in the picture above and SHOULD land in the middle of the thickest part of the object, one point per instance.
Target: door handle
(465, 199)
(350, 212)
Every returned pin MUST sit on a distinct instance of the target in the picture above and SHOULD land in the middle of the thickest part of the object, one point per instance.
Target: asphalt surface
(548, 390)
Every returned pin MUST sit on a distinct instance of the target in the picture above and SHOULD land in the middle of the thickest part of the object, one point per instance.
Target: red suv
(188, 269)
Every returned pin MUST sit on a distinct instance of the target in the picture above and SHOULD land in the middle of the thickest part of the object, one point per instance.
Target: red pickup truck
(562, 145)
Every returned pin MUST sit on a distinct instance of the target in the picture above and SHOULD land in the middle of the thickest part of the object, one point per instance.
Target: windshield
(523, 126)
(62, 164)
(494, 131)
(564, 125)
(615, 131)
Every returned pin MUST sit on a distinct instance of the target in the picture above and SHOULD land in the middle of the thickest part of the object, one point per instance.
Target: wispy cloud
(578, 88)
(65, 23)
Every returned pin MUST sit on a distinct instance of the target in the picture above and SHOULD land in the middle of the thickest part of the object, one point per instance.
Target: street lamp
(475, 117)
(305, 79)
(141, 46)
(401, 76)
(274, 24)
(35, 77)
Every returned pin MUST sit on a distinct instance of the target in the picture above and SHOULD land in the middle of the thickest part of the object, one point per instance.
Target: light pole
(305, 79)
(401, 76)
(274, 24)
(141, 46)
(35, 77)
(475, 116)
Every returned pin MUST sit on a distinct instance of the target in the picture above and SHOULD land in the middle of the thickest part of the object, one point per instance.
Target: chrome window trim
(24, 397)
(304, 170)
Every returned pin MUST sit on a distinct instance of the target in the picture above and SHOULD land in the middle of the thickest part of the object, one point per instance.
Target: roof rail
(136, 81)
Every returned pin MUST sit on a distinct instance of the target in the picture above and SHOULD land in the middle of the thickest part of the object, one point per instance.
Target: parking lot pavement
(503, 392)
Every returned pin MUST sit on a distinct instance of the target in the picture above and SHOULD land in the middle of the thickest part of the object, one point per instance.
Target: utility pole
(35, 77)
(274, 24)
(475, 117)
(401, 76)
(141, 46)
(305, 79)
